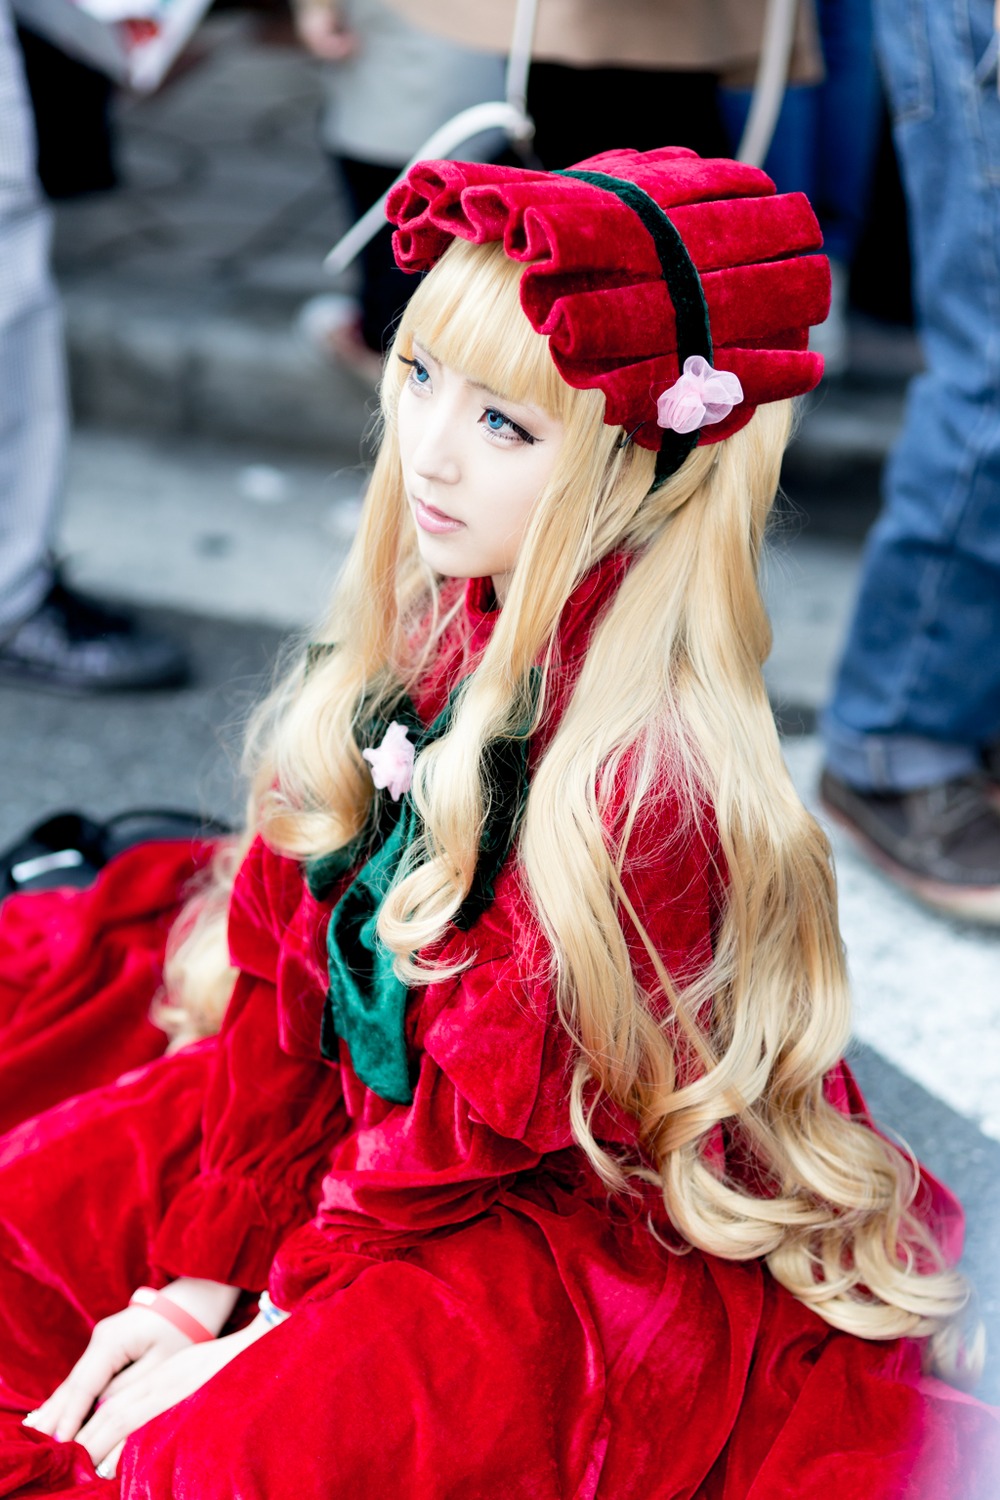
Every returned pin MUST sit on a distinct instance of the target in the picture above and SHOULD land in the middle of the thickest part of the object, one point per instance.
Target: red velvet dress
(471, 1317)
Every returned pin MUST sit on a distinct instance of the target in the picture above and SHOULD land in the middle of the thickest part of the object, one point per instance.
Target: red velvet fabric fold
(78, 972)
(268, 1120)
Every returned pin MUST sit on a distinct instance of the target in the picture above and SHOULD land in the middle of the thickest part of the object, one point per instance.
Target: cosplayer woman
(527, 1108)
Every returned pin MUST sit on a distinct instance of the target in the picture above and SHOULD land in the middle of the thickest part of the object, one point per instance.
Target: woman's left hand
(132, 1403)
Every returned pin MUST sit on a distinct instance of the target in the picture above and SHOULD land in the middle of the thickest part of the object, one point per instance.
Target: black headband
(694, 335)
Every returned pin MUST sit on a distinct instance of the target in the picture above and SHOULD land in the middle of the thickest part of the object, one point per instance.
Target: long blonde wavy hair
(671, 686)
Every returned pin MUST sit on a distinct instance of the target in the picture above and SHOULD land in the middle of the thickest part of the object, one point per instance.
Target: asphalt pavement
(215, 484)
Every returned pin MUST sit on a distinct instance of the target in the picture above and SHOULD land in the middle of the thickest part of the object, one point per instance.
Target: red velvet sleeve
(270, 1119)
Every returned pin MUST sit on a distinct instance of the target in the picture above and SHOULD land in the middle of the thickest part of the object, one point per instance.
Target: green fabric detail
(694, 334)
(366, 1000)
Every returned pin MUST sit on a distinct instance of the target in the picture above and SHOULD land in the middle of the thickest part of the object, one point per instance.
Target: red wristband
(159, 1302)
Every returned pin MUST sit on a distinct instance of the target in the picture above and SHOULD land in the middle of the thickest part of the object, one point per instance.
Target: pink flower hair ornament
(699, 397)
(391, 762)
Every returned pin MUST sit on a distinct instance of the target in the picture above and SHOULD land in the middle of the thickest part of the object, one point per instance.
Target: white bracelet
(272, 1315)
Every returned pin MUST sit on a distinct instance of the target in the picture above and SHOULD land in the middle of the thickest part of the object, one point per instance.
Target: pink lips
(429, 519)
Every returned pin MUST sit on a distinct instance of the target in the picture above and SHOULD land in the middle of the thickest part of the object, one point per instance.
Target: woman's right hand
(135, 1341)
(134, 1337)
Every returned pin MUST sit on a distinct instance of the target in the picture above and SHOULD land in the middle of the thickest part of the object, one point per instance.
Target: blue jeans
(827, 133)
(918, 692)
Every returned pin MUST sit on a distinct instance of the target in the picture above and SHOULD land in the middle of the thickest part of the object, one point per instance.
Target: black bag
(69, 848)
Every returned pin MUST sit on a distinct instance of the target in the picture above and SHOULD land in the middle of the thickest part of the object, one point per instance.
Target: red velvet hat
(657, 277)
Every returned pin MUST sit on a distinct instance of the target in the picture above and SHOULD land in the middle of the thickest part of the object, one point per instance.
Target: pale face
(473, 466)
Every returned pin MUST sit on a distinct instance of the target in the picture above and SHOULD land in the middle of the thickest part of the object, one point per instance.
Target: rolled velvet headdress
(657, 277)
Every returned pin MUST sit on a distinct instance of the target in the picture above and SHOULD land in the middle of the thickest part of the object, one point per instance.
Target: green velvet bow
(366, 1000)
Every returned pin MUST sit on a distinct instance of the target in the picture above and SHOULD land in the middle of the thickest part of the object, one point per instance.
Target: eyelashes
(496, 422)
(503, 422)
(420, 373)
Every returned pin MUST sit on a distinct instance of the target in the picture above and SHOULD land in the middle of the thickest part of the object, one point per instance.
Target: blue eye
(495, 421)
(420, 372)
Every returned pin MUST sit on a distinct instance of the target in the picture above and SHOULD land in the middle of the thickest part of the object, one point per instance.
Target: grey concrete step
(176, 366)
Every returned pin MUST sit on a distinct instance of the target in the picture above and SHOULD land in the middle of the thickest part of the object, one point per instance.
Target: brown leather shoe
(941, 842)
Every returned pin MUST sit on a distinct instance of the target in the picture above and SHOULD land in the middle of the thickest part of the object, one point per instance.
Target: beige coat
(717, 36)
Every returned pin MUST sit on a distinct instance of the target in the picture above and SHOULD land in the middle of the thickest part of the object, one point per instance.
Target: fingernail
(30, 1419)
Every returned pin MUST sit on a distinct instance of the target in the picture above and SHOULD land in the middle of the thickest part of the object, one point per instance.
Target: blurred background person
(912, 732)
(70, 162)
(49, 634)
(640, 71)
(825, 144)
(389, 86)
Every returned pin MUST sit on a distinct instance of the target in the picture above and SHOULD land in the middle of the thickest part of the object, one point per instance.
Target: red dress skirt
(471, 1317)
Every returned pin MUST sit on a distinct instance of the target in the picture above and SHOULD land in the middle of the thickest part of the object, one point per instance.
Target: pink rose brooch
(699, 396)
(392, 761)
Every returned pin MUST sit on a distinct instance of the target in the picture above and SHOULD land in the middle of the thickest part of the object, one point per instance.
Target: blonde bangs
(498, 347)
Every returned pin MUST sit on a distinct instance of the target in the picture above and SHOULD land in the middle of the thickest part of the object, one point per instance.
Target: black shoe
(77, 645)
(941, 843)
